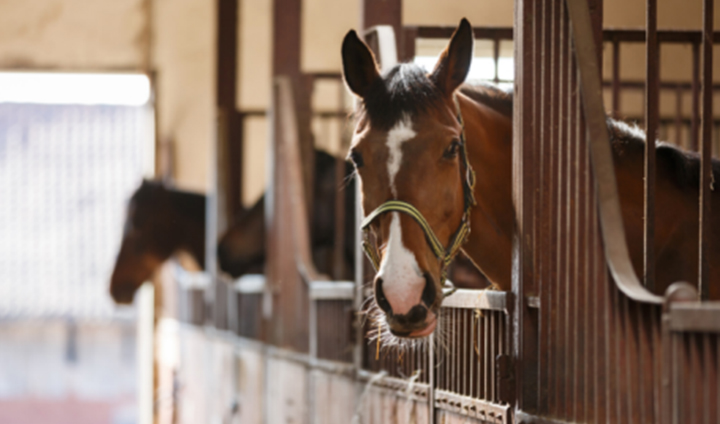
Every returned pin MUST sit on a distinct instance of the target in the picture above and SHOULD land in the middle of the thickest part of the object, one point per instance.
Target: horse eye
(356, 158)
(452, 150)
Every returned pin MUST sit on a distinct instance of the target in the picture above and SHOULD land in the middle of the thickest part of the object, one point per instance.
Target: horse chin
(425, 332)
(431, 324)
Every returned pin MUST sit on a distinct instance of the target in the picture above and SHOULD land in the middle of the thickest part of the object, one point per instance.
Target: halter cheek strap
(445, 255)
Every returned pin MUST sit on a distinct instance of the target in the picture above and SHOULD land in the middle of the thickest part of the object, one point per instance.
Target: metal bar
(663, 36)
(487, 372)
(465, 333)
(484, 33)
(493, 352)
(678, 116)
(706, 176)
(525, 326)
(579, 258)
(557, 341)
(695, 317)
(616, 79)
(430, 355)
(664, 85)
(545, 214)
(496, 59)
(652, 76)
(477, 299)
(695, 86)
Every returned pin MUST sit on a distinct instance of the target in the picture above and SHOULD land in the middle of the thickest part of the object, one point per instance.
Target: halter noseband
(445, 255)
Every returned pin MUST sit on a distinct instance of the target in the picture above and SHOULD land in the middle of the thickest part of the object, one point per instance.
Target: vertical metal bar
(616, 79)
(525, 327)
(493, 352)
(478, 356)
(496, 59)
(706, 176)
(545, 215)
(453, 351)
(473, 356)
(430, 355)
(708, 372)
(652, 86)
(676, 380)
(692, 378)
(678, 116)
(313, 333)
(486, 354)
(695, 126)
(717, 377)
(467, 318)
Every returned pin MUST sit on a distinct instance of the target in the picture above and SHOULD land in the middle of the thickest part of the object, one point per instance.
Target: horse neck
(489, 141)
(189, 220)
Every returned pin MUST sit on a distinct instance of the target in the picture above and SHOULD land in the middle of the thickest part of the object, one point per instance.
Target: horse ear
(454, 63)
(359, 67)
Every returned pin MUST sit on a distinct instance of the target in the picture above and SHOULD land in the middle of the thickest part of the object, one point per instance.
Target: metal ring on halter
(446, 255)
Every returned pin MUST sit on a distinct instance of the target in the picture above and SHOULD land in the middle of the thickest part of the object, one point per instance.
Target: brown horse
(416, 137)
(160, 221)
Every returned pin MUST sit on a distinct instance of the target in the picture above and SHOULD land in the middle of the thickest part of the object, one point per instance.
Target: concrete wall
(184, 62)
(74, 34)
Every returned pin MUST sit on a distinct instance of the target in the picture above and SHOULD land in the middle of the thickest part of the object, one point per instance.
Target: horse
(159, 222)
(434, 158)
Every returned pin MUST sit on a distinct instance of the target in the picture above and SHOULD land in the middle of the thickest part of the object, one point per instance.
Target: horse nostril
(428, 294)
(380, 297)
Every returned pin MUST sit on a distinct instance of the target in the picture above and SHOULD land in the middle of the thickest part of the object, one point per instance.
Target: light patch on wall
(481, 69)
(74, 88)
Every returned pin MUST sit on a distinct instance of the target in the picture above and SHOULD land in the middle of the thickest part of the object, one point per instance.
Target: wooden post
(287, 312)
(225, 196)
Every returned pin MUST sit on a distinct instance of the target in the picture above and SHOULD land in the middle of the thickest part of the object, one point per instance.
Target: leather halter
(445, 255)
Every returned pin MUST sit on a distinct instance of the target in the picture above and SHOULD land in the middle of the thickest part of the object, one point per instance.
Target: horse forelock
(404, 91)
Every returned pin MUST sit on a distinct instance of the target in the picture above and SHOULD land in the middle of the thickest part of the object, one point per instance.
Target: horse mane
(185, 202)
(682, 166)
(491, 96)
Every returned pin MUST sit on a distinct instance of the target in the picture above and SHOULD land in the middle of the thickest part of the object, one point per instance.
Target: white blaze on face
(403, 282)
(398, 134)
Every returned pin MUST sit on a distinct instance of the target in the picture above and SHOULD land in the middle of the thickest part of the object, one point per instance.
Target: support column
(224, 197)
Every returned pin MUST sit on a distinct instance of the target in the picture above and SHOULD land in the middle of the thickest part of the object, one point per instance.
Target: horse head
(159, 221)
(409, 153)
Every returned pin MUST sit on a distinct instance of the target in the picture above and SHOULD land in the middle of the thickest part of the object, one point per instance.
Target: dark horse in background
(161, 221)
